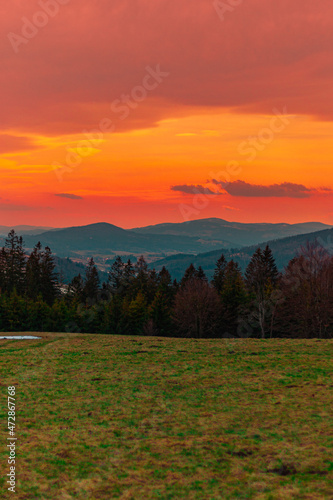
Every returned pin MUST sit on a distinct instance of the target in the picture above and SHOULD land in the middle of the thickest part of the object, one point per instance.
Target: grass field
(103, 417)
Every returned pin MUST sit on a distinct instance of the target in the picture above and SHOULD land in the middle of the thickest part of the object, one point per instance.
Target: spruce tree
(75, 290)
(15, 263)
(137, 314)
(165, 284)
(49, 283)
(200, 274)
(189, 275)
(270, 265)
(91, 282)
(128, 278)
(3, 270)
(234, 298)
(141, 281)
(164, 278)
(261, 272)
(160, 314)
(41, 278)
(116, 276)
(261, 278)
(219, 273)
(33, 273)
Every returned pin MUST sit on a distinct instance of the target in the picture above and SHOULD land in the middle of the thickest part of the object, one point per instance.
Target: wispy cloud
(251, 74)
(245, 189)
(9, 207)
(284, 190)
(14, 144)
(69, 195)
(192, 189)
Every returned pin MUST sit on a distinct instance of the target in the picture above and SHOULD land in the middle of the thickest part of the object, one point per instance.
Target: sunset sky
(136, 112)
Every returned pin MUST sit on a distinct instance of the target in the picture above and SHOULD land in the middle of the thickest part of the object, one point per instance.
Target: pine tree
(48, 279)
(91, 282)
(3, 312)
(113, 319)
(33, 273)
(137, 314)
(200, 274)
(15, 263)
(160, 314)
(165, 285)
(234, 298)
(40, 275)
(219, 273)
(142, 275)
(261, 278)
(75, 290)
(152, 286)
(190, 274)
(3, 270)
(116, 276)
(61, 316)
(17, 312)
(144, 281)
(270, 265)
(164, 278)
(261, 272)
(128, 278)
(39, 315)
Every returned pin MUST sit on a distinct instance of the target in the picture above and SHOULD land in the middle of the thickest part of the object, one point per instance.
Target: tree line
(261, 302)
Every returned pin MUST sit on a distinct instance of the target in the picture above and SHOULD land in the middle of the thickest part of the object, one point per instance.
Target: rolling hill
(23, 229)
(283, 249)
(233, 234)
(106, 238)
(201, 242)
(67, 270)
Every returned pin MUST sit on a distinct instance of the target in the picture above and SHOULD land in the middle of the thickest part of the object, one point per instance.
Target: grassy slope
(102, 417)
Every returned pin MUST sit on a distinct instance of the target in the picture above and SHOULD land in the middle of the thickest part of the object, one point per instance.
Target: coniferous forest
(135, 300)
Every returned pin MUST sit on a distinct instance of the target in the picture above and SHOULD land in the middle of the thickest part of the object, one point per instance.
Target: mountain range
(106, 239)
(174, 245)
(283, 249)
(232, 234)
(23, 229)
(191, 237)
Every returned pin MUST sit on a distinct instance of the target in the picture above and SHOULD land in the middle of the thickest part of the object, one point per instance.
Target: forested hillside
(260, 302)
(284, 250)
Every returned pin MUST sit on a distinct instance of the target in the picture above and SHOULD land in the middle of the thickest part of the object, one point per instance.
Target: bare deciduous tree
(196, 310)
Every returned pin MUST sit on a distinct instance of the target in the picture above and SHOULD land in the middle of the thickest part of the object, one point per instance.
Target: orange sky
(142, 112)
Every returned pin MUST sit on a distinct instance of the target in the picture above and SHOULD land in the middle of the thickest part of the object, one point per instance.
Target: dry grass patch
(103, 417)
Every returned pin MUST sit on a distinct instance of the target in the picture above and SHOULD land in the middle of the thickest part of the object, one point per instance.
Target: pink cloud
(264, 54)
(284, 190)
(11, 143)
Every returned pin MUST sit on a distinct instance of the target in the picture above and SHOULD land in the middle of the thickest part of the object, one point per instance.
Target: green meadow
(108, 417)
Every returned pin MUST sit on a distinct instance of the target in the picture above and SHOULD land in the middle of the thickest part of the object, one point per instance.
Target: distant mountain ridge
(107, 238)
(67, 270)
(193, 237)
(200, 242)
(235, 233)
(283, 250)
(24, 229)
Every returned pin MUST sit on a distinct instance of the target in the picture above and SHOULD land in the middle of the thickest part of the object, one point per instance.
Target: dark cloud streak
(245, 189)
(69, 196)
(191, 189)
(284, 190)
